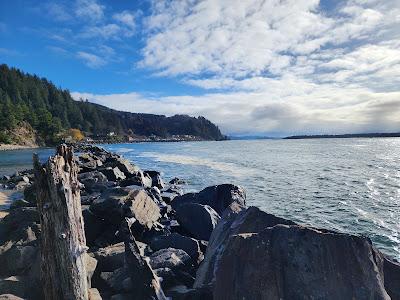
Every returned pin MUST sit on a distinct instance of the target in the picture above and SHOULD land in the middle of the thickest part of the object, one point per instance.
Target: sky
(253, 67)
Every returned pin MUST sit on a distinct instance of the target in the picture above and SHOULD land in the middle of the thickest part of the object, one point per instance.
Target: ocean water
(348, 185)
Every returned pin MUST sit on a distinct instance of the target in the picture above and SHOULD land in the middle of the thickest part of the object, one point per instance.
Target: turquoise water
(349, 185)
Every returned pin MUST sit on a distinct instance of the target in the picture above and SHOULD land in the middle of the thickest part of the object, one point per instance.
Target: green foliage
(4, 138)
(50, 110)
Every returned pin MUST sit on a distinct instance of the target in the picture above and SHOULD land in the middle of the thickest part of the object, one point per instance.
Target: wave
(231, 168)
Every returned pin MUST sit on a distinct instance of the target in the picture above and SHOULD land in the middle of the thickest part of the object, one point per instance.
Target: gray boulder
(178, 241)
(305, 263)
(170, 258)
(391, 270)
(156, 179)
(113, 174)
(109, 205)
(143, 208)
(218, 197)
(198, 220)
(110, 258)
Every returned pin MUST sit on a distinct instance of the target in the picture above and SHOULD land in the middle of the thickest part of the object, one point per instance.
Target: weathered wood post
(63, 243)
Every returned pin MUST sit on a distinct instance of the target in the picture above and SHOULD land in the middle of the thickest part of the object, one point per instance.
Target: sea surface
(348, 185)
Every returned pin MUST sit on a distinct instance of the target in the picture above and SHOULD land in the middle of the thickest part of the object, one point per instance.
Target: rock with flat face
(109, 205)
(274, 260)
(170, 258)
(156, 179)
(110, 258)
(113, 174)
(198, 220)
(21, 226)
(143, 208)
(178, 241)
(219, 197)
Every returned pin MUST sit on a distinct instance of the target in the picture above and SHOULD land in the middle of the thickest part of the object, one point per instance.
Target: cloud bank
(266, 66)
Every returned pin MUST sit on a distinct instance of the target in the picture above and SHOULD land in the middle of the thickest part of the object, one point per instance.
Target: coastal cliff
(205, 245)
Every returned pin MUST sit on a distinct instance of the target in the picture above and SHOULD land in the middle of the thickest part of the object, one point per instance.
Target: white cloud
(127, 18)
(89, 10)
(280, 66)
(91, 60)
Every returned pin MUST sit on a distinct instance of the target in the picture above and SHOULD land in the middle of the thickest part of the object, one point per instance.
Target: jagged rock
(218, 197)
(178, 241)
(142, 207)
(94, 226)
(94, 181)
(144, 282)
(21, 226)
(156, 179)
(90, 264)
(113, 174)
(115, 279)
(170, 278)
(109, 205)
(305, 262)
(17, 260)
(138, 178)
(235, 217)
(110, 258)
(170, 258)
(14, 285)
(107, 238)
(30, 194)
(93, 294)
(198, 220)
(391, 270)
(90, 165)
(177, 181)
(122, 164)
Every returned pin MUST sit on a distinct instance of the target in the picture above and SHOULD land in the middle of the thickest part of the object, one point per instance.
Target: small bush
(4, 138)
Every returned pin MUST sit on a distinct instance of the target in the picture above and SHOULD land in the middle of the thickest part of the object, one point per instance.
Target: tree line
(50, 110)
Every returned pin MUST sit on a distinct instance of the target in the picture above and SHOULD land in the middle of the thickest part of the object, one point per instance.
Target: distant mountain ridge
(50, 110)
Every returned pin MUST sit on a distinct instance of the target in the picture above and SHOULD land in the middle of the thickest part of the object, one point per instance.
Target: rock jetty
(147, 240)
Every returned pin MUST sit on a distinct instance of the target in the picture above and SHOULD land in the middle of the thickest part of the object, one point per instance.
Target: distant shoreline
(343, 136)
(5, 147)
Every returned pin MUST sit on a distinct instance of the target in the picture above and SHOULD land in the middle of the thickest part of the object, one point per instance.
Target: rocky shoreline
(205, 245)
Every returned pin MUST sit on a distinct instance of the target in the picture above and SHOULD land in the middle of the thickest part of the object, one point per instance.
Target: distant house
(111, 133)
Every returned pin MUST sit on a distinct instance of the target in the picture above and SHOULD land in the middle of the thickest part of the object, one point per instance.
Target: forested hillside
(49, 110)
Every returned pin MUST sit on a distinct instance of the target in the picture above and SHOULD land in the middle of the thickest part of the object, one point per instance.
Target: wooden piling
(63, 243)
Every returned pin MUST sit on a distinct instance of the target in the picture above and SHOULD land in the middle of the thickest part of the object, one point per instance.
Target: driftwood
(63, 243)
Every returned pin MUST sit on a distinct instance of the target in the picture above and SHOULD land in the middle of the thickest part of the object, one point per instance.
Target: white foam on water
(231, 168)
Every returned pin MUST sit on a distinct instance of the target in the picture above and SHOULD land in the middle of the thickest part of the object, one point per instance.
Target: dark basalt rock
(171, 258)
(156, 179)
(94, 226)
(391, 270)
(178, 241)
(109, 205)
(304, 262)
(218, 197)
(177, 181)
(198, 220)
(112, 257)
(113, 174)
(20, 227)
